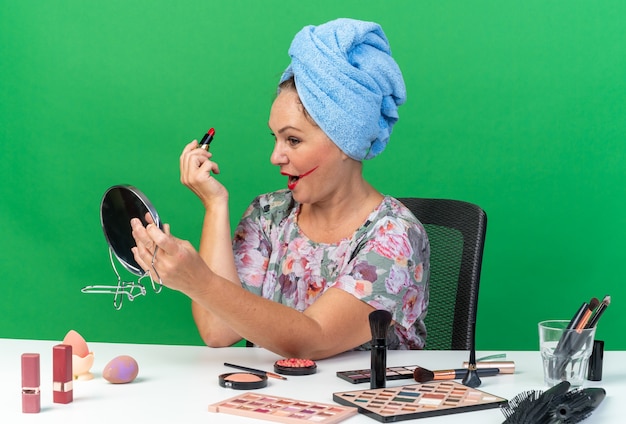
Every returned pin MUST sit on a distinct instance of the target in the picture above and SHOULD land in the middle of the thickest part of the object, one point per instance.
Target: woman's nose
(278, 156)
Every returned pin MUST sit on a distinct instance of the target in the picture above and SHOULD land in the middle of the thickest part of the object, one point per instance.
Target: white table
(177, 383)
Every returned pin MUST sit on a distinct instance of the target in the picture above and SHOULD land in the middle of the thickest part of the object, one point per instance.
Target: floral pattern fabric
(385, 263)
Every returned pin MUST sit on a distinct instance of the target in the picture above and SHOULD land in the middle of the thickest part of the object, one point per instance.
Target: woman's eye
(293, 141)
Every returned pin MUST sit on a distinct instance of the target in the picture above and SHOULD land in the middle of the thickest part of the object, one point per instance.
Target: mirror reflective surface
(119, 205)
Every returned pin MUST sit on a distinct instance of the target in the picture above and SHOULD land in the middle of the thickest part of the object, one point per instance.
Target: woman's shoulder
(393, 217)
(392, 207)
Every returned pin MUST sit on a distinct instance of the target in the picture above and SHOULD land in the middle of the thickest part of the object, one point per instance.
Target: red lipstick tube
(31, 398)
(62, 388)
(207, 139)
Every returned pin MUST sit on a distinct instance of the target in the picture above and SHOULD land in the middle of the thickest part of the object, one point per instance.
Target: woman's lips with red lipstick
(293, 179)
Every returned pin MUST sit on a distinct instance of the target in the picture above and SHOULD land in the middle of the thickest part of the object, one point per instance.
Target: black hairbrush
(575, 406)
(533, 406)
(554, 406)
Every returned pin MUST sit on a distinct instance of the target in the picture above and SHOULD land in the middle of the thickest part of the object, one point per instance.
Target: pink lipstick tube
(31, 398)
(62, 388)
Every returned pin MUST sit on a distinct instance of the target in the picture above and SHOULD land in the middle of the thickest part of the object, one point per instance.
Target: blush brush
(422, 375)
(471, 378)
(379, 325)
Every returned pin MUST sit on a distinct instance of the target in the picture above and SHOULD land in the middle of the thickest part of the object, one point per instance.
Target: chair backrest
(456, 231)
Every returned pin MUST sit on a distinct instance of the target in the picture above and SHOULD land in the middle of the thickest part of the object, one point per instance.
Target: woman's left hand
(177, 263)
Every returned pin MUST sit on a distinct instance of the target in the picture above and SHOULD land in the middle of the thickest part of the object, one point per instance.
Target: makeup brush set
(428, 398)
(433, 393)
(585, 318)
(557, 405)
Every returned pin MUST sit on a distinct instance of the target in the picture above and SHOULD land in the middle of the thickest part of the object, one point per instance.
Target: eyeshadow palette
(418, 401)
(392, 373)
(284, 410)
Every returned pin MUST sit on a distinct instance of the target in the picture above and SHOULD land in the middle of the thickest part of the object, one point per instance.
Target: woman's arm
(224, 312)
(336, 322)
(216, 250)
(215, 242)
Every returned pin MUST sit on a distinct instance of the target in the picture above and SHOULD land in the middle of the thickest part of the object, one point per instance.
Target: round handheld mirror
(119, 205)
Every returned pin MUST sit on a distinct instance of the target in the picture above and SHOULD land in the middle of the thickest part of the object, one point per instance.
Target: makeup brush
(422, 375)
(379, 324)
(255, 371)
(572, 340)
(564, 343)
(471, 378)
(596, 316)
(582, 323)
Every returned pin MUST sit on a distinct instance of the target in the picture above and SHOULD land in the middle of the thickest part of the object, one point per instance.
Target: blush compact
(243, 380)
(295, 366)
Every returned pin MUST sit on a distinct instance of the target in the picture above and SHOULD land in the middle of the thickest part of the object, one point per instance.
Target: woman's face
(306, 156)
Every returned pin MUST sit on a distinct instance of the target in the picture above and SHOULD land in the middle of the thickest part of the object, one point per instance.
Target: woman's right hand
(196, 167)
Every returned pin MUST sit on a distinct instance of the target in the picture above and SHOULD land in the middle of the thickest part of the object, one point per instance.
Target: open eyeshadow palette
(284, 410)
(418, 400)
(392, 373)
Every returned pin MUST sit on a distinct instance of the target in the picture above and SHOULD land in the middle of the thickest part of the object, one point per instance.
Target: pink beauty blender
(121, 369)
(82, 359)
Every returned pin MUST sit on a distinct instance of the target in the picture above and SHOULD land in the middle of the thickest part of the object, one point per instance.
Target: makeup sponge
(82, 358)
(121, 369)
(78, 343)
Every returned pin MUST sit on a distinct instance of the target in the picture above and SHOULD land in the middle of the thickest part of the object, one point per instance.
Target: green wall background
(516, 106)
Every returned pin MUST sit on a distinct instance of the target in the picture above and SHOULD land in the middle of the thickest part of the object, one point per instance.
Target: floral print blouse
(385, 263)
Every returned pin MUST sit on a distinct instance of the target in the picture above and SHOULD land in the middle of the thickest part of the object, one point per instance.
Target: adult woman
(309, 263)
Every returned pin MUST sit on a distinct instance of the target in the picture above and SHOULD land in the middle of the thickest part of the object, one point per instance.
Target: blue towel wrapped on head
(349, 83)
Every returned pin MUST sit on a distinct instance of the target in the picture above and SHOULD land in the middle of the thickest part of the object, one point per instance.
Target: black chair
(456, 231)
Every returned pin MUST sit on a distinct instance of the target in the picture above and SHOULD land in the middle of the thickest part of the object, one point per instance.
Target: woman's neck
(338, 217)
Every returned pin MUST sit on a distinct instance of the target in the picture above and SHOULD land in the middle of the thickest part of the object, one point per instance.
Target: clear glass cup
(565, 353)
